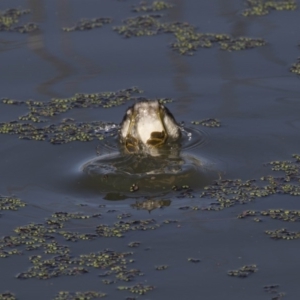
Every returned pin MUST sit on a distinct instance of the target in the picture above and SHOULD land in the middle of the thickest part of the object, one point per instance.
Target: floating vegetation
(155, 6)
(295, 68)
(86, 24)
(276, 214)
(183, 191)
(61, 133)
(283, 234)
(41, 111)
(124, 216)
(57, 219)
(134, 244)
(11, 203)
(231, 192)
(121, 227)
(283, 215)
(188, 39)
(128, 275)
(170, 221)
(8, 253)
(162, 267)
(7, 296)
(194, 260)
(208, 123)
(108, 282)
(64, 295)
(68, 265)
(272, 289)
(9, 19)
(137, 289)
(241, 43)
(244, 271)
(247, 213)
(151, 204)
(264, 7)
(43, 237)
(184, 207)
(134, 188)
(146, 25)
(67, 130)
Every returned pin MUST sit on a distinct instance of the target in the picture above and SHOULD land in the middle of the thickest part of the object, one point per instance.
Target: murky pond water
(183, 220)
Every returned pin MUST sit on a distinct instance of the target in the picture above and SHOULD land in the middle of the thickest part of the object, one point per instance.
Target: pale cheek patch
(125, 127)
(172, 129)
(147, 126)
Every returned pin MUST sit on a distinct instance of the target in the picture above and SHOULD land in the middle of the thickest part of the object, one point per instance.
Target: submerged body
(148, 125)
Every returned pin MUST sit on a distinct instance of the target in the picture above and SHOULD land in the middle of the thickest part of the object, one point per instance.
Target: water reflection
(36, 41)
(227, 63)
(90, 66)
(182, 69)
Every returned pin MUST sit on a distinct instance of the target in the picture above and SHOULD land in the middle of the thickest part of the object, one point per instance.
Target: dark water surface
(252, 93)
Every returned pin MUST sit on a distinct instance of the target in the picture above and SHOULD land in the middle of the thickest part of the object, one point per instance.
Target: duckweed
(58, 219)
(134, 188)
(264, 7)
(187, 38)
(231, 192)
(121, 227)
(208, 123)
(154, 6)
(8, 253)
(61, 133)
(10, 17)
(146, 25)
(41, 111)
(137, 289)
(183, 191)
(10, 203)
(75, 236)
(247, 213)
(7, 296)
(184, 207)
(134, 244)
(243, 272)
(124, 216)
(43, 237)
(151, 204)
(283, 215)
(64, 295)
(295, 68)
(272, 289)
(241, 43)
(128, 275)
(283, 234)
(86, 24)
(108, 282)
(68, 265)
(161, 267)
(68, 130)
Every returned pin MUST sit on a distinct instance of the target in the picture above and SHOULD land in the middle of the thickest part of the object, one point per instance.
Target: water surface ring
(114, 172)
